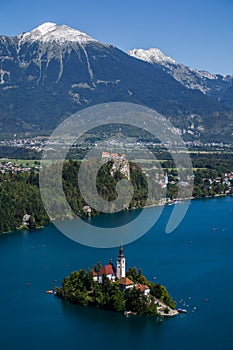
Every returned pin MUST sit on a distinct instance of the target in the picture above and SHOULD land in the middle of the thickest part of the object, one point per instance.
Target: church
(119, 273)
(110, 271)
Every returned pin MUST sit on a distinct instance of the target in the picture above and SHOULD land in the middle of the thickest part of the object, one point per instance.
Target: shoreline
(180, 200)
(173, 202)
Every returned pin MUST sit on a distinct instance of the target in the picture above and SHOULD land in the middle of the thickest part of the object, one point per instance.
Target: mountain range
(53, 71)
(210, 84)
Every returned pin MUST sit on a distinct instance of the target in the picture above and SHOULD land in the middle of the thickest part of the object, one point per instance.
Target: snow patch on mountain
(50, 32)
(4, 74)
(152, 55)
(205, 74)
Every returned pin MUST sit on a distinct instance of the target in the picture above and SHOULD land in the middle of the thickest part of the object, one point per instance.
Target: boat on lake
(49, 291)
(183, 311)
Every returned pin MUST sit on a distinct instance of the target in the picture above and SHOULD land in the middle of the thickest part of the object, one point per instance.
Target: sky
(196, 33)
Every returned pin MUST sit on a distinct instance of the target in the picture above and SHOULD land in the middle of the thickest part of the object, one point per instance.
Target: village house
(125, 283)
(87, 210)
(144, 289)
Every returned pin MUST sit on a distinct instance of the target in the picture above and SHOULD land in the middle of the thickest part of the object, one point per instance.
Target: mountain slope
(53, 71)
(226, 98)
(211, 84)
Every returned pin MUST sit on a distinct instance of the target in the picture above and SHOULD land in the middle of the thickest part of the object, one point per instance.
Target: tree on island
(156, 290)
(80, 288)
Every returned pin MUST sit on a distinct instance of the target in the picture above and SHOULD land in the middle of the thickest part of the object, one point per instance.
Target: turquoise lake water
(195, 263)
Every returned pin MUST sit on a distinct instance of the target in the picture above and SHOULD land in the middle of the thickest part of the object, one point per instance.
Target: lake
(195, 263)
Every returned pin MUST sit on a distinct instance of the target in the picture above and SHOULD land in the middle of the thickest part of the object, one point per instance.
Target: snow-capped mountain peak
(152, 55)
(44, 29)
(51, 32)
(54, 42)
(194, 79)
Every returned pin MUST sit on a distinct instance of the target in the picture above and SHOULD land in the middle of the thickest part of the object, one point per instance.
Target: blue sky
(197, 33)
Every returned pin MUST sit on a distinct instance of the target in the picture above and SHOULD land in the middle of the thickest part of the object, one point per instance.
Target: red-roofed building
(114, 155)
(106, 155)
(143, 289)
(119, 274)
(109, 271)
(125, 283)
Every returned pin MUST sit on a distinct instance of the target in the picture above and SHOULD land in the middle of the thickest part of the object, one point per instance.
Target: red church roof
(125, 281)
(107, 270)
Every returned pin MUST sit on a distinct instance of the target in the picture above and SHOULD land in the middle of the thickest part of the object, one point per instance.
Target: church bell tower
(120, 263)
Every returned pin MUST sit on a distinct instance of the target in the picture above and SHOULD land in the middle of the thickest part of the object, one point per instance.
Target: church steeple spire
(120, 263)
(121, 252)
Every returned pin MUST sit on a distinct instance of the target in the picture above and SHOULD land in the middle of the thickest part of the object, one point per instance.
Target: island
(114, 288)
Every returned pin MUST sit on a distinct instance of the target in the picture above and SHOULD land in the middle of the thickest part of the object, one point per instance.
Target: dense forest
(20, 195)
(79, 288)
(105, 184)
